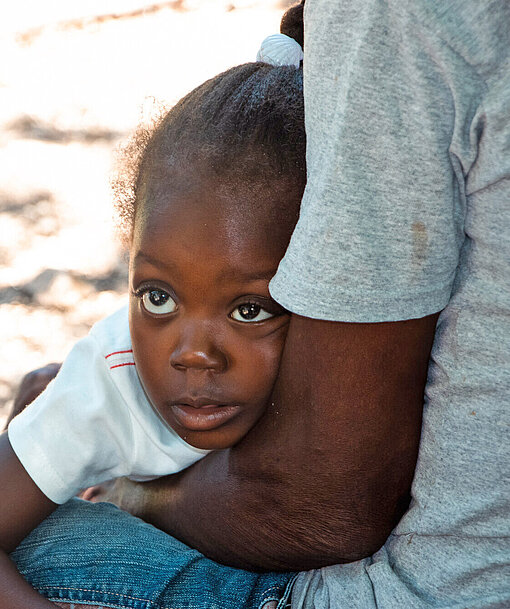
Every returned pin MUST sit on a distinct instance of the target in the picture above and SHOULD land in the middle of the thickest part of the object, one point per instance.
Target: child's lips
(202, 414)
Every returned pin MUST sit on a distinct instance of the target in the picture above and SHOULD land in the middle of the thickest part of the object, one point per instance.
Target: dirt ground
(75, 79)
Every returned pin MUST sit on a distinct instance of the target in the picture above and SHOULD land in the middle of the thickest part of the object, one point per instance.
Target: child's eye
(158, 302)
(250, 312)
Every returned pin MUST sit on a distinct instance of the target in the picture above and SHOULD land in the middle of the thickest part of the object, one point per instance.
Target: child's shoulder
(112, 333)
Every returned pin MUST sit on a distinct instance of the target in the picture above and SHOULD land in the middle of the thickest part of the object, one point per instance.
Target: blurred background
(75, 79)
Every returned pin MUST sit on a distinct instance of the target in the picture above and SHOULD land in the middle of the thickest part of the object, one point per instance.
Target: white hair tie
(280, 50)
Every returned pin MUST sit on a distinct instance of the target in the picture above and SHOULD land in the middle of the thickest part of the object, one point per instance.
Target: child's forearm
(22, 507)
(15, 592)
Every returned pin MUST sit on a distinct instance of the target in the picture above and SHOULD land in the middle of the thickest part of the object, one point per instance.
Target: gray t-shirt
(407, 212)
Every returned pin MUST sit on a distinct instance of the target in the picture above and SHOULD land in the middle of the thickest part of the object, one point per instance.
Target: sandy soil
(75, 79)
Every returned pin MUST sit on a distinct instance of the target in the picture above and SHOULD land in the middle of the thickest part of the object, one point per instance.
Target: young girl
(209, 201)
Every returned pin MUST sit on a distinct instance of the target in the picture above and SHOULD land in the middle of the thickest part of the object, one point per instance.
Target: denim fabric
(96, 554)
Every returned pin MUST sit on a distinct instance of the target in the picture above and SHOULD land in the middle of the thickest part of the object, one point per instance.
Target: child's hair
(244, 125)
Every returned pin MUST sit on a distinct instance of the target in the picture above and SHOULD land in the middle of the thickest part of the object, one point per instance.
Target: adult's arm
(326, 474)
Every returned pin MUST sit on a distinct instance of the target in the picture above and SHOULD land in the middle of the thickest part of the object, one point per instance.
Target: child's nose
(198, 350)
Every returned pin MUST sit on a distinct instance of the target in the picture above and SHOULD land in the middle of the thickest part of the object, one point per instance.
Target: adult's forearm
(257, 521)
(326, 473)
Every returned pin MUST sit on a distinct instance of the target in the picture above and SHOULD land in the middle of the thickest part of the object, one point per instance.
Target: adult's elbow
(323, 532)
(316, 550)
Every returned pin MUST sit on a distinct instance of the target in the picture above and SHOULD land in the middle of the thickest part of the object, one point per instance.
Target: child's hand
(100, 492)
(31, 386)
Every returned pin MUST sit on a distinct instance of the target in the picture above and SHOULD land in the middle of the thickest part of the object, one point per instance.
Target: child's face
(207, 337)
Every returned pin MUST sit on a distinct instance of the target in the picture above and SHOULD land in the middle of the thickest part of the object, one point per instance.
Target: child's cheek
(268, 353)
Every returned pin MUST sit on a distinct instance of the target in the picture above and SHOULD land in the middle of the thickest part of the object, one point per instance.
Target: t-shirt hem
(344, 306)
(34, 459)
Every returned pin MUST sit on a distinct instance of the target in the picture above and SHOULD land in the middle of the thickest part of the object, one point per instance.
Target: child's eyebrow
(247, 276)
(142, 257)
(242, 275)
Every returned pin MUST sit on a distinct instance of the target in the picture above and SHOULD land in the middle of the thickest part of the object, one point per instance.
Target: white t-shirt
(94, 422)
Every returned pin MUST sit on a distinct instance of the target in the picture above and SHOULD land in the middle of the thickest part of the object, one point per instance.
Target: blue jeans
(96, 554)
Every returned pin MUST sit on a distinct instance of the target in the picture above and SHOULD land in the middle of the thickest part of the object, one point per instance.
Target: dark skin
(23, 507)
(273, 503)
(326, 473)
(207, 336)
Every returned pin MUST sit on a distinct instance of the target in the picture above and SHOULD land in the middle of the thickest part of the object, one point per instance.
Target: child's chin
(211, 440)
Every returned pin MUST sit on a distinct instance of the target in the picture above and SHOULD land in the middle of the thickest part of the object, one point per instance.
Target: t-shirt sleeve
(78, 432)
(389, 141)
